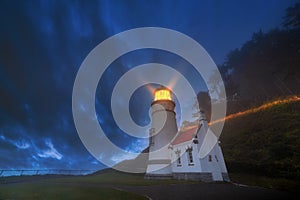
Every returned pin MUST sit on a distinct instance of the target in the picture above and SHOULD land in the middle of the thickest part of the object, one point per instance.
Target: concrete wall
(203, 176)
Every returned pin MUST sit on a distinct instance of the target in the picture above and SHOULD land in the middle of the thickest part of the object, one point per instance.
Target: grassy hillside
(265, 142)
(63, 191)
(105, 184)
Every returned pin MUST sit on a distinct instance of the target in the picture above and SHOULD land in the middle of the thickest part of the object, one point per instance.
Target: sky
(43, 44)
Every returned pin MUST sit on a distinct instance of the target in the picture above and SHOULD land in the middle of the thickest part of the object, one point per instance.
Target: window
(151, 133)
(195, 140)
(190, 157)
(189, 151)
(177, 152)
(209, 158)
(178, 161)
(216, 158)
(151, 141)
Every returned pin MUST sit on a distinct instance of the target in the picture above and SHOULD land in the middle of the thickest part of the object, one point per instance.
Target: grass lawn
(266, 182)
(96, 186)
(117, 178)
(62, 191)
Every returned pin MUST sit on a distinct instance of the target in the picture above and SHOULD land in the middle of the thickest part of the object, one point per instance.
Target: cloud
(50, 153)
(21, 144)
(137, 145)
(116, 158)
(17, 142)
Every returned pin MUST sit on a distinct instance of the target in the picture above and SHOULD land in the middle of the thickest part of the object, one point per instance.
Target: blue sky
(43, 44)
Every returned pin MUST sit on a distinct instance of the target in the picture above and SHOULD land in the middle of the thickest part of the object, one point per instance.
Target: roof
(186, 135)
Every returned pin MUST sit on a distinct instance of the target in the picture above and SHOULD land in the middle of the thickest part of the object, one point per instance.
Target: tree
(204, 101)
(267, 66)
(292, 17)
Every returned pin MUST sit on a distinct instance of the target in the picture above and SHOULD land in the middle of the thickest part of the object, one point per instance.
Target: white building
(175, 154)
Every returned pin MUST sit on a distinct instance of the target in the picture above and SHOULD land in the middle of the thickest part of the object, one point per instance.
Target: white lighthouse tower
(163, 130)
(175, 154)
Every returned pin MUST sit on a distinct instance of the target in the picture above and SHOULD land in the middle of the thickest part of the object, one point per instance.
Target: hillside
(264, 141)
(139, 163)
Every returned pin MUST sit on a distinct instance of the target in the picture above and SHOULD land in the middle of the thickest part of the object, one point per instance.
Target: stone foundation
(204, 176)
(225, 177)
(158, 176)
(196, 176)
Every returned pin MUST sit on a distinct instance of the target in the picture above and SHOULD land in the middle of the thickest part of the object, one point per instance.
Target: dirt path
(211, 191)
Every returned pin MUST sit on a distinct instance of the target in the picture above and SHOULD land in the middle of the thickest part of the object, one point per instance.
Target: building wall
(214, 161)
(185, 167)
(221, 159)
(210, 163)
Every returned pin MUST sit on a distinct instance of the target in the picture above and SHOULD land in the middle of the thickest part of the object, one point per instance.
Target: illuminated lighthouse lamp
(162, 94)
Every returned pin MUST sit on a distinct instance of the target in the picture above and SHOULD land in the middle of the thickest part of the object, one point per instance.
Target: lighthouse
(163, 130)
(174, 153)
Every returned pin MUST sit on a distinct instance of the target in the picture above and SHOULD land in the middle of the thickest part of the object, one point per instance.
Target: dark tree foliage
(266, 67)
(204, 103)
(292, 17)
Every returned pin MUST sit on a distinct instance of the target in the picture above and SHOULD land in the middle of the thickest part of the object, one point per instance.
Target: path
(208, 191)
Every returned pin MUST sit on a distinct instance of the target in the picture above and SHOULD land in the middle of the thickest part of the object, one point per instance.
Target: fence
(28, 172)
